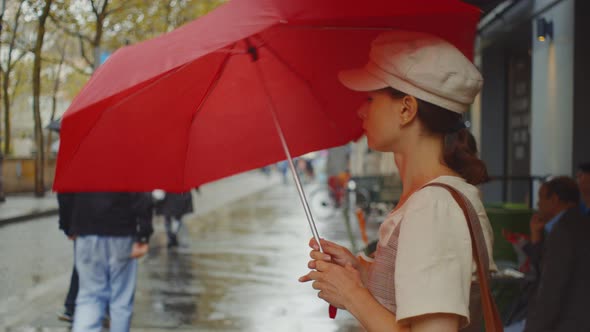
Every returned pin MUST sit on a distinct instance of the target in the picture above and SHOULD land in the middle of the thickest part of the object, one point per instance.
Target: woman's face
(381, 120)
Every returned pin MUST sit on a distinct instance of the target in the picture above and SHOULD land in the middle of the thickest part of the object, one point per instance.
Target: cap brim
(360, 80)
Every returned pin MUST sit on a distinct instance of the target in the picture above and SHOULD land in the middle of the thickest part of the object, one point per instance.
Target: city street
(372, 101)
(236, 270)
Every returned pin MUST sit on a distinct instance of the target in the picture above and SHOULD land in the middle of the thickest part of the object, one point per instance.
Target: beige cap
(419, 64)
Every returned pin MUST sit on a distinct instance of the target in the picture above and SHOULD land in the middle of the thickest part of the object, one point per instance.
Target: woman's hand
(332, 253)
(337, 285)
(340, 283)
(336, 272)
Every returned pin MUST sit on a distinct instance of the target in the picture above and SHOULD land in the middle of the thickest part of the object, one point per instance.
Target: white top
(434, 265)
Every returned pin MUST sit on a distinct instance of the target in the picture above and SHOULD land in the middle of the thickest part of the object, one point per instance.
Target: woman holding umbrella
(418, 88)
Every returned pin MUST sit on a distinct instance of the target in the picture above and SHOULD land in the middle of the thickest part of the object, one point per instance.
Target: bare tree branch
(83, 53)
(104, 7)
(94, 8)
(9, 62)
(67, 30)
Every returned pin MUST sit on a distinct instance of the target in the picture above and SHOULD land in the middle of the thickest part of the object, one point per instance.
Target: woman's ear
(409, 109)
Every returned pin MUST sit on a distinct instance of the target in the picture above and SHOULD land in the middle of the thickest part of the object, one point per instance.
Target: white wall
(552, 92)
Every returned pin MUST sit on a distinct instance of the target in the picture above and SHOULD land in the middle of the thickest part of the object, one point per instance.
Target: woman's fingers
(321, 295)
(314, 244)
(304, 278)
(322, 266)
(313, 275)
(317, 265)
(327, 293)
(331, 252)
(316, 255)
(325, 244)
(323, 281)
(316, 285)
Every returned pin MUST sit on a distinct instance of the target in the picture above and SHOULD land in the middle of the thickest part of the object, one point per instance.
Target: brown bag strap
(491, 316)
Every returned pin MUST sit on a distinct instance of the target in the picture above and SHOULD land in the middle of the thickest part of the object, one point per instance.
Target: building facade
(532, 113)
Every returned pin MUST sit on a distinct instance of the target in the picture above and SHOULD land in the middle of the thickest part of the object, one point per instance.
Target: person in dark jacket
(563, 293)
(173, 207)
(111, 230)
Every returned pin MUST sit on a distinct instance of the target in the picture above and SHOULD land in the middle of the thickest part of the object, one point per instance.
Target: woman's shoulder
(433, 195)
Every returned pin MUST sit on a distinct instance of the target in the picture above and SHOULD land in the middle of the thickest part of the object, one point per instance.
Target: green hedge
(512, 217)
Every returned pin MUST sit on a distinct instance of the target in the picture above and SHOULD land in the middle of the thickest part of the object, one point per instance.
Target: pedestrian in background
(562, 298)
(111, 231)
(67, 315)
(418, 86)
(173, 207)
(283, 167)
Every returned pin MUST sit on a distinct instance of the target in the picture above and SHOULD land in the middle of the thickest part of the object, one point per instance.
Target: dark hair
(584, 167)
(565, 188)
(460, 148)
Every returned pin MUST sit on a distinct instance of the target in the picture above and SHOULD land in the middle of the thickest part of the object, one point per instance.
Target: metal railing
(509, 180)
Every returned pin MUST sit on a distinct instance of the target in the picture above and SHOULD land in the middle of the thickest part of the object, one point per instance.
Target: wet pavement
(236, 270)
(33, 254)
(19, 207)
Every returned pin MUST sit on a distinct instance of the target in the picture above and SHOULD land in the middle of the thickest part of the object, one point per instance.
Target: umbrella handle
(332, 311)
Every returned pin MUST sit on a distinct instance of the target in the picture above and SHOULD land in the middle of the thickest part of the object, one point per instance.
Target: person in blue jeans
(111, 230)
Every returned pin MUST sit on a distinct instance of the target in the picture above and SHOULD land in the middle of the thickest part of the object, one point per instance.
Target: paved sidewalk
(20, 207)
(216, 194)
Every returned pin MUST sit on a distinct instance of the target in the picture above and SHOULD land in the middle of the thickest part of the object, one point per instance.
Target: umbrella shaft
(308, 214)
(306, 208)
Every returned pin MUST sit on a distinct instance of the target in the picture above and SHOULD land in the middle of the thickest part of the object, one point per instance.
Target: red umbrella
(237, 89)
(197, 104)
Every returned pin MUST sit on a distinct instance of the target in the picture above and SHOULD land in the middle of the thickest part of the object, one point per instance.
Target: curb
(12, 220)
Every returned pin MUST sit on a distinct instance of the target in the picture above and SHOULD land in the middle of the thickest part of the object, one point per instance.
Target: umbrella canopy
(203, 101)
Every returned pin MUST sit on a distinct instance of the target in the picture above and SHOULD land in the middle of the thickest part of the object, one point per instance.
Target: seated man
(562, 299)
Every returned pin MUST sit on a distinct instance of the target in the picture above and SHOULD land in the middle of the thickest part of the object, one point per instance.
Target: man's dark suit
(562, 300)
